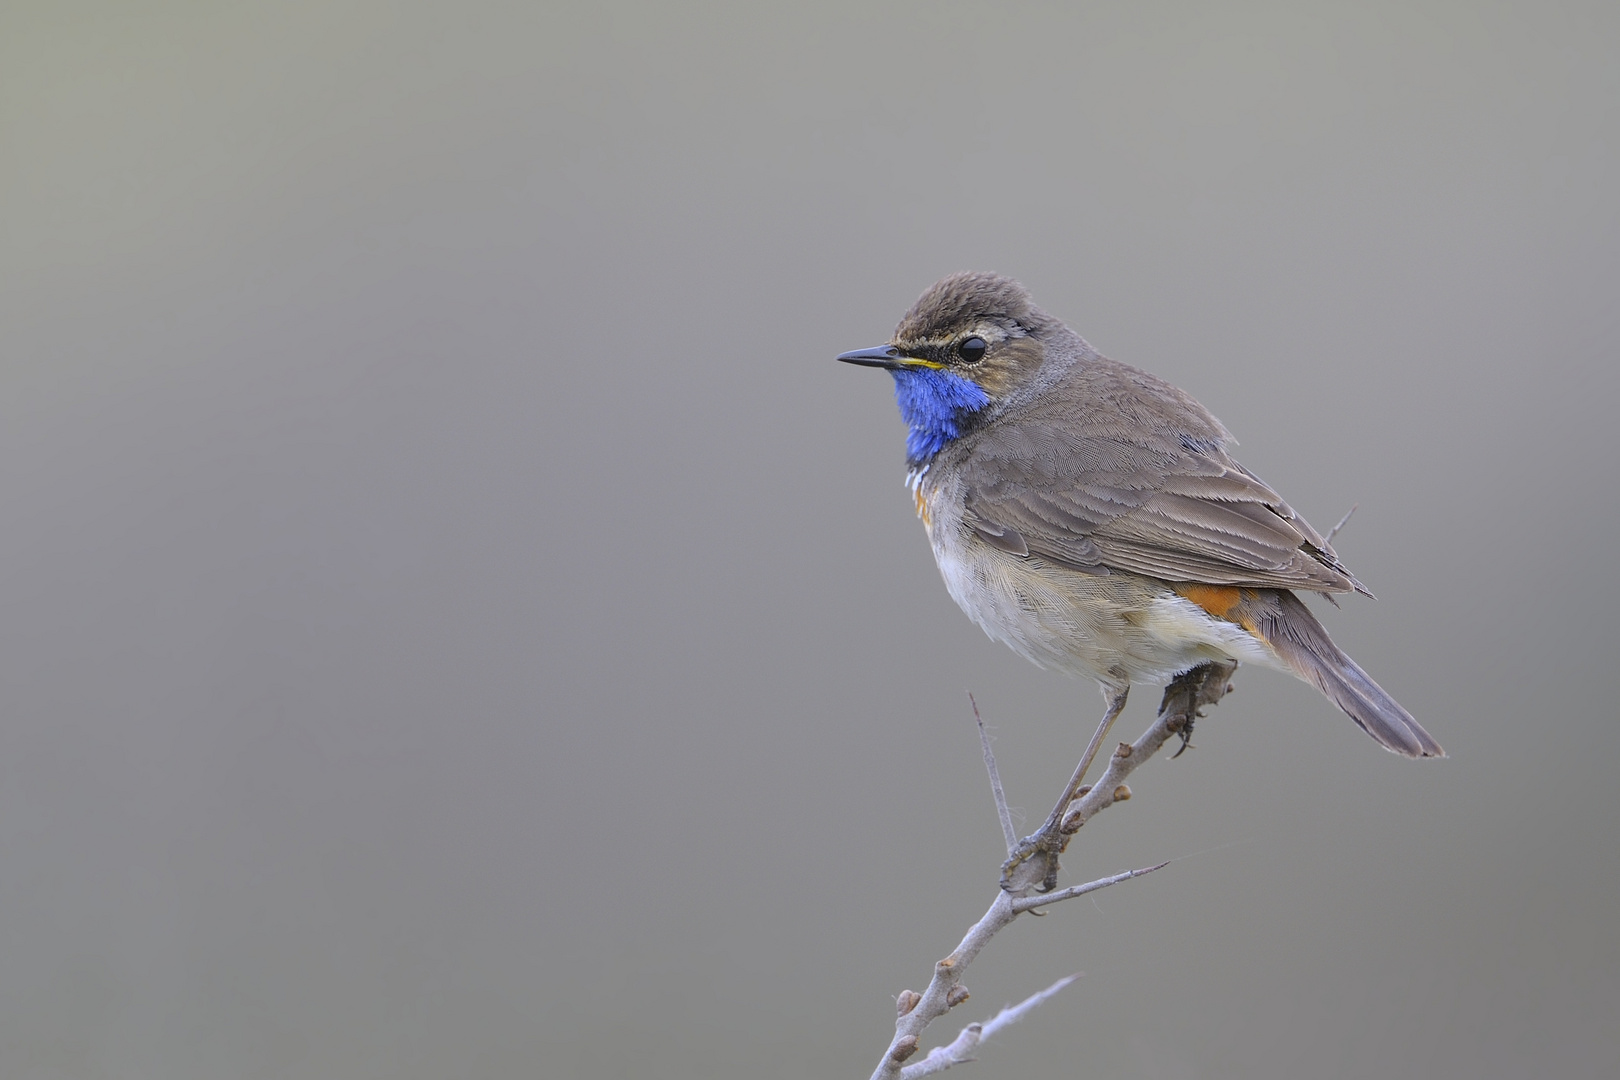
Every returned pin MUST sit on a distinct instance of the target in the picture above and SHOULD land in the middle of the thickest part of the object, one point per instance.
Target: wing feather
(1108, 492)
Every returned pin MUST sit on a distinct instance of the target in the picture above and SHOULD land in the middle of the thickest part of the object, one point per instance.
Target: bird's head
(963, 352)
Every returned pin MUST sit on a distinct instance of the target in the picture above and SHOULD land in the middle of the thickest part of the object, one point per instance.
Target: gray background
(459, 621)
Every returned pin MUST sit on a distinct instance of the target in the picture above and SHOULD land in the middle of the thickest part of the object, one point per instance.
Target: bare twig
(1005, 814)
(1183, 699)
(1010, 1015)
(1335, 530)
(1030, 903)
(944, 988)
(960, 1050)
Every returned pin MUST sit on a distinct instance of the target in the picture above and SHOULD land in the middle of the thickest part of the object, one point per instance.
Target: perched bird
(1089, 515)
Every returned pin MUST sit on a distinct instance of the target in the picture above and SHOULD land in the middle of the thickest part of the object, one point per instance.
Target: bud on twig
(903, 1048)
(907, 1001)
(1122, 793)
(957, 995)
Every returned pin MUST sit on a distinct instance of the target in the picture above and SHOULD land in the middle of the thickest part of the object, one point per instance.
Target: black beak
(883, 356)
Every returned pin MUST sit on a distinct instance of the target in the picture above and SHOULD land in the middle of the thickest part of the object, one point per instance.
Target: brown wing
(1138, 480)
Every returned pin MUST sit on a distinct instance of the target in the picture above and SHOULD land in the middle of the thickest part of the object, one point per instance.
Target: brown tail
(1300, 641)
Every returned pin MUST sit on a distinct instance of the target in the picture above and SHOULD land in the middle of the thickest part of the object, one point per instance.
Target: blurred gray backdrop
(459, 621)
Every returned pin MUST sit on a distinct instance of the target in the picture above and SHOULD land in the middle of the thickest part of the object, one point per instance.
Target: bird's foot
(1049, 843)
(1189, 692)
(1185, 735)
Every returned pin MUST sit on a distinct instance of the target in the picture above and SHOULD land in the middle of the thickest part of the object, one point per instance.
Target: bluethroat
(1089, 515)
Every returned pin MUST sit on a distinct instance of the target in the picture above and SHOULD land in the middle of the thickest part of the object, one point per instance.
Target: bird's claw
(1050, 842)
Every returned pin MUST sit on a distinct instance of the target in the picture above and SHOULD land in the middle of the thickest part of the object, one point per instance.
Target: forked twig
(1182, 701)
(960, 1050)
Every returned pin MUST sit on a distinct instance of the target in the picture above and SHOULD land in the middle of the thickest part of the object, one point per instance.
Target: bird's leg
(1182, 694)
(1048, 840)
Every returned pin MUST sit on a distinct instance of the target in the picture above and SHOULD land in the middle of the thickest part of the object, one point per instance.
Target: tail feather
(1293, 633)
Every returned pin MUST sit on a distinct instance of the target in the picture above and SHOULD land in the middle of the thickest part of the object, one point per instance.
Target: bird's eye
(972, 350)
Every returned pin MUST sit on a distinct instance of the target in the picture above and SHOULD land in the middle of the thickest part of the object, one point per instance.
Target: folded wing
(1105, 493)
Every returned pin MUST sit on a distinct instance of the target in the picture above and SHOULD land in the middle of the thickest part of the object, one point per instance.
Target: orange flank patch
(922, 508)
(1218, 600)
(1222, 601)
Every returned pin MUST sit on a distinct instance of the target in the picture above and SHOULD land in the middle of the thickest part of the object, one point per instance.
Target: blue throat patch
(935, 404)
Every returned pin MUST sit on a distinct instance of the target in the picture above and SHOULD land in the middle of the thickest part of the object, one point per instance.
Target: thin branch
(933, 1003)
(1005, 814)
(1183, 699)
(944, 989)
(1335, 530)
(1030, 903)
(1010, 1015)
(960, 1050)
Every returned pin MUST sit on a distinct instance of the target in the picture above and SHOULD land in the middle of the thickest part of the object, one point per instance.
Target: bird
(1090, 515)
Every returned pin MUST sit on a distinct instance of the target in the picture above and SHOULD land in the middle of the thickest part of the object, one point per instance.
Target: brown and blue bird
(1090, 516)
